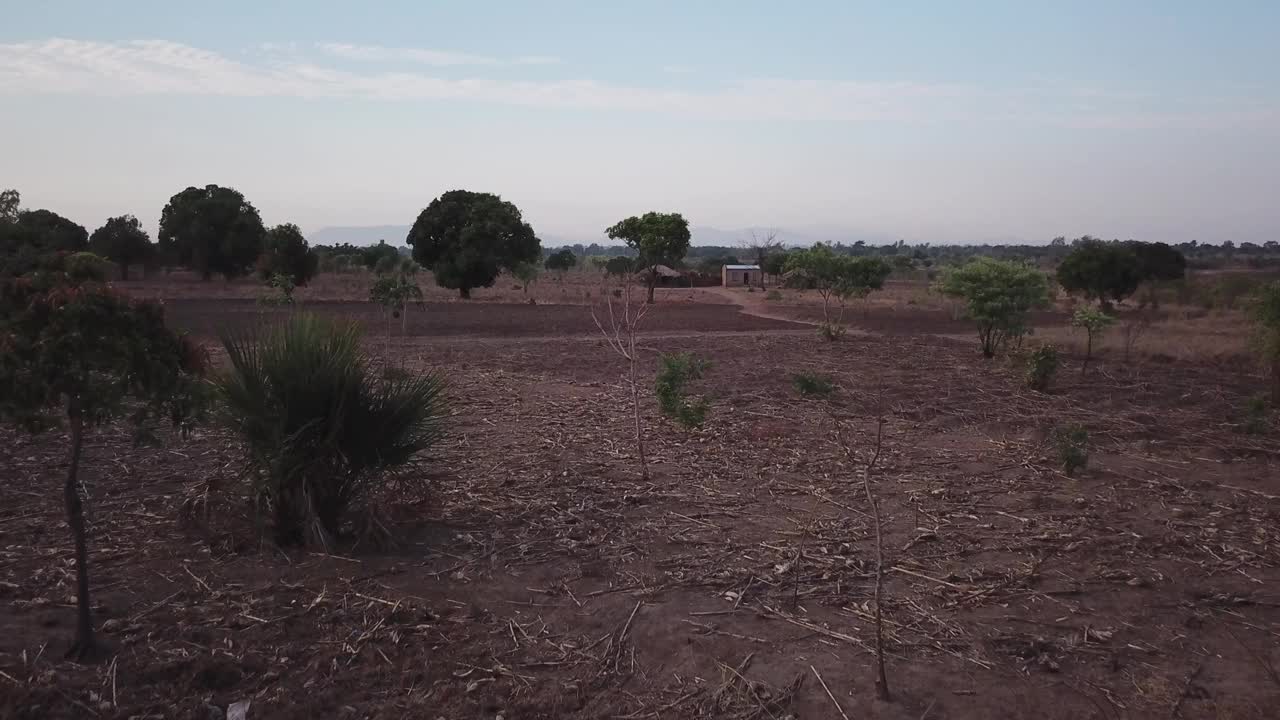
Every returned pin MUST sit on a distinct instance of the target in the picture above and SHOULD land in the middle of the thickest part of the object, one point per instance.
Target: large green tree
(1103, 271)
(837, 276)
(660, 239)
(212, 230)
(54, 232)
(999, 296)
(27, 236)
(467, 238)
(561, 260)
(286, 252)
(122, 241)
(1158, 263)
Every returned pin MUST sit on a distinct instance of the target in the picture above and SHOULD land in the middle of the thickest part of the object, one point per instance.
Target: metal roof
(741, 267)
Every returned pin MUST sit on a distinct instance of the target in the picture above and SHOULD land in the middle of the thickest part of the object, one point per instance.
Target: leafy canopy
(394, 291)
(1091, 320)
(29, 236)
(1104, 271)
(1158, 262)
(10, 200)
(999, 296)
(85, 348)
(122, 241)
(837, 275)
(467, 238)
(286, 252)
(659, 238)
(211, 230)
(620, 266)
(561, 260)
(775, 263)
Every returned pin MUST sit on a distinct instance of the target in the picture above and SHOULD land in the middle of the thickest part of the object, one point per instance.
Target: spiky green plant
(323, 433)
(676, 372)
(1042, 364)
(1072, 443)
(812, 384)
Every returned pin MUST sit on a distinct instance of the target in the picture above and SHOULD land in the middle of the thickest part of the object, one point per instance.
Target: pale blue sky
(942, 121)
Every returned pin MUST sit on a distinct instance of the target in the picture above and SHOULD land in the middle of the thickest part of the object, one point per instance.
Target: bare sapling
(621, 337)
(882, 683)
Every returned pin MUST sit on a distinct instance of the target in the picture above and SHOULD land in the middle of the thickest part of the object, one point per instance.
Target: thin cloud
(161, 67)
(435, 58)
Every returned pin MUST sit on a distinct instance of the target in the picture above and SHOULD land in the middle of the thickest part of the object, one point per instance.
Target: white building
(740, 275)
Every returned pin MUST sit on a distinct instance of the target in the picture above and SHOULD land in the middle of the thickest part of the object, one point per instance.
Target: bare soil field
(432, 319)
(538, 576)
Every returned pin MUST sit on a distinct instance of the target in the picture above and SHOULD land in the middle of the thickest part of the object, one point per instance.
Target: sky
(938, 122)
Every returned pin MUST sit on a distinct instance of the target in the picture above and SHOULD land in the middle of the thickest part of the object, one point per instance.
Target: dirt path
(750, 304)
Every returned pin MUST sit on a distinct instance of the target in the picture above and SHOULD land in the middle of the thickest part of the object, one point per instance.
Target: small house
(739, 275)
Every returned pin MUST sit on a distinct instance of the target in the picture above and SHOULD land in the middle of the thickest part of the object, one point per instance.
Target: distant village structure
(740, 275)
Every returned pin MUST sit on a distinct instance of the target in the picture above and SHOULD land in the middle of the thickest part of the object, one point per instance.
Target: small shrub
(1042, 364)
(279, 292)
(1072, 445)
(1255, 416)
(676, 372)
(386, 264)
(773, 295)
(321, 431)
(811, 384)
(617, 292)
(1265, 313)
(830, 331)
(1094, 322)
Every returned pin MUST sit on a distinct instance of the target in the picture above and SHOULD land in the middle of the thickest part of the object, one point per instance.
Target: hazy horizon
(995, 122)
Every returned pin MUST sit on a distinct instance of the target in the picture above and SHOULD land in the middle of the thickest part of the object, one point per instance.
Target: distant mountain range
(395, 235)
(359, 235)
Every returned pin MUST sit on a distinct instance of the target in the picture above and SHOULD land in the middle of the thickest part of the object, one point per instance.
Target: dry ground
(540, 577)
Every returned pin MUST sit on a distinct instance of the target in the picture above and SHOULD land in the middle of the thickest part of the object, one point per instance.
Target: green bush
(322, 432)
(1042, 364)
(1265, 313)
(773, 295)
(677, 370)
(1094, 322)
(1072, 445)
(999, 296)
(810, 384)
(1255, 416)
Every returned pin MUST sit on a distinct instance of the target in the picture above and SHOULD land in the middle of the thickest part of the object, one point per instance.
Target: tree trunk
(464, 293)
(653, 280)
(84, 645)
(124, 271)
(985, 336)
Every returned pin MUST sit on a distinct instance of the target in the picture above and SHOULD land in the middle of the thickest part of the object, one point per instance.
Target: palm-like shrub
(323, 433)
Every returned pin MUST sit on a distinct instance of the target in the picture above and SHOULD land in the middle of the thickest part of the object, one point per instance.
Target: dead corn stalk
(882, 682)
(621, 337)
